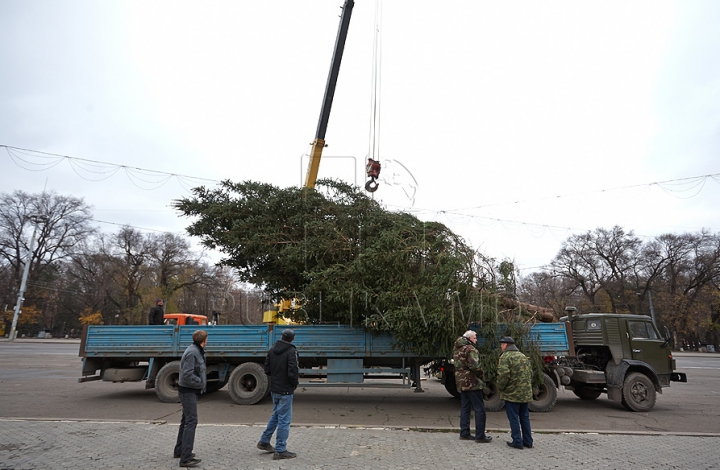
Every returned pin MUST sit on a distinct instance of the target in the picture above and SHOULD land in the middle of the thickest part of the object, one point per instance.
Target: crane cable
(373, 165)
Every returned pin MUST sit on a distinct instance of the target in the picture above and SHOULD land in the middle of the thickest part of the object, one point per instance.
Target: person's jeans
(280, 419)
(188, 423)
(472, 399)
(519, 417)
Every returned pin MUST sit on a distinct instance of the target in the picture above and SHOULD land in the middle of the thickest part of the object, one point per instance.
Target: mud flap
(615, 394)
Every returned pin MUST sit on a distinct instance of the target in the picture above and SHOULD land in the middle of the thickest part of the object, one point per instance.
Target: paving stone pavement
(45, 444)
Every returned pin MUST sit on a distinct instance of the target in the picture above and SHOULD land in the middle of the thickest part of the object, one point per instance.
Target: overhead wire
(692, 180)
(22, 155)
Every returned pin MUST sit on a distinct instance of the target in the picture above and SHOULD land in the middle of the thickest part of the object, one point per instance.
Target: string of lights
(96, 171)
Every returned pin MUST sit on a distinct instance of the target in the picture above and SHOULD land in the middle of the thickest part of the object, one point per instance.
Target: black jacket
(281, 364)
(156, 317)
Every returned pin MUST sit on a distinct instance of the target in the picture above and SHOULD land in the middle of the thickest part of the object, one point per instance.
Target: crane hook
(373, 172)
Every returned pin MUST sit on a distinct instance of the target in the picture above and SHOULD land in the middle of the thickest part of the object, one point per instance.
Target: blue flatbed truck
(330, 356)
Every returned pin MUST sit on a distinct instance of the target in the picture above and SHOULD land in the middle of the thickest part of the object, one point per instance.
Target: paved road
(143, 445)
(38, 379)
(48, 420)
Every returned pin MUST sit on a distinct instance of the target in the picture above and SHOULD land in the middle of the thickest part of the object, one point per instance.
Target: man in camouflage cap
(468, 379)
(514, 382)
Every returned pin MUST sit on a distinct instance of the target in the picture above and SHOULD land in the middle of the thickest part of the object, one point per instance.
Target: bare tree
(175, 266)
(688, 292)
(548, 290)
(130, 252)
(60, 222)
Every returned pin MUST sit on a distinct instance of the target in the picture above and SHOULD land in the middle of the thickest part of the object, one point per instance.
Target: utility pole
(23, 284)
(652, 310)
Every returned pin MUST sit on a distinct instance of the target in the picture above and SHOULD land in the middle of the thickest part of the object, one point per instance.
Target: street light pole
(652, 310)
(23, 284)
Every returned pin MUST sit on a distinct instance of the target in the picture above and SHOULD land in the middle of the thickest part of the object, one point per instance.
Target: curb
(439, 429)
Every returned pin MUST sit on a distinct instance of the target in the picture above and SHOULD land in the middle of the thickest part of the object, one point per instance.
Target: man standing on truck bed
(469, 380)
(281, 364)
(191, 383)
(156, 314)
(514, 382)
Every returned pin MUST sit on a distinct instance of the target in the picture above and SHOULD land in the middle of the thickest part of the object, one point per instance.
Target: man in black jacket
(157, 316)
(281, 364)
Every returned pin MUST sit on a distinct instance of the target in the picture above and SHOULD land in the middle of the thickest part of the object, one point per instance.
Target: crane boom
(319, 142)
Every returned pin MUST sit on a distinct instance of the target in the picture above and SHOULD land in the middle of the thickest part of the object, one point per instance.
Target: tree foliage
(351, 260)
(88, 317)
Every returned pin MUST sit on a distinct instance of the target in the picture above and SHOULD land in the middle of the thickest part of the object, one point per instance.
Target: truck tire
(248, 383)
(546, 396)
(451, 387)
(166, 382)
(587, 393)
(491, 398)
(638, 392)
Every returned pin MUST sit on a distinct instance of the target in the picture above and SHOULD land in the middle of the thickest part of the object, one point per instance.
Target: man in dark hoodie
(156, 316)
(192, 382)
(281, 364)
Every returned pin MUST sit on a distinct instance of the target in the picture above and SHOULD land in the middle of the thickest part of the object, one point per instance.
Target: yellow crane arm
(314, 164)
(319, 142)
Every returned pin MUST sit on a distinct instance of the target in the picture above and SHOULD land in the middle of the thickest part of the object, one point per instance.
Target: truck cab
(622, 355)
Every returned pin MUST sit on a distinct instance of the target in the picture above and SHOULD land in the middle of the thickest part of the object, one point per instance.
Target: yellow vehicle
(278, 313)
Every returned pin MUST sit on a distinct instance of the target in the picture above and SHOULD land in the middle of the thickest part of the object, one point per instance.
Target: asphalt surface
(48, 443)
(146, 445)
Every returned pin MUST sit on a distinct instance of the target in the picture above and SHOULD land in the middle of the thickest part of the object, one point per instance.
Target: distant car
(185, 319)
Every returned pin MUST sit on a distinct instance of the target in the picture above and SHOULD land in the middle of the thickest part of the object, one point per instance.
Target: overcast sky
(514, 123)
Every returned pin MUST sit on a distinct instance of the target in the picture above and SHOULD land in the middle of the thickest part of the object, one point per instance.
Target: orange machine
(185, 319)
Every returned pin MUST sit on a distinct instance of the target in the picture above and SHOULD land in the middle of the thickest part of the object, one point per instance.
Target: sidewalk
(32, 444)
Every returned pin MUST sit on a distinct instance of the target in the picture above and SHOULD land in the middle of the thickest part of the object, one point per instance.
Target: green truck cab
(621, 355)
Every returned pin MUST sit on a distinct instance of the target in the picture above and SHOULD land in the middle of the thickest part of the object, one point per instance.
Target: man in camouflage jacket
(468, 379)
(514, 382)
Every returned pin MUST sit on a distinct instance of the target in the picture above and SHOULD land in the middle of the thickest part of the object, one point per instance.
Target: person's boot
(266, 446)
(190, 463)
(284, 455)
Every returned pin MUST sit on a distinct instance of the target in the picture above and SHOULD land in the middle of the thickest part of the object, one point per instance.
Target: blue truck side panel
(253, 341)
(237, 341)
(550, 338)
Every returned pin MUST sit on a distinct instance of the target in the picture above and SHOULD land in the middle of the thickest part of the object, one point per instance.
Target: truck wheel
(451, 387)
(587, 393)
(166, 382)
(248, 383)
(546, 396)
(491, 397)
(638, 392)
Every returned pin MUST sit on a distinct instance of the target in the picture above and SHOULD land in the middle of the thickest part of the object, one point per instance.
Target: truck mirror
(667, 338)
